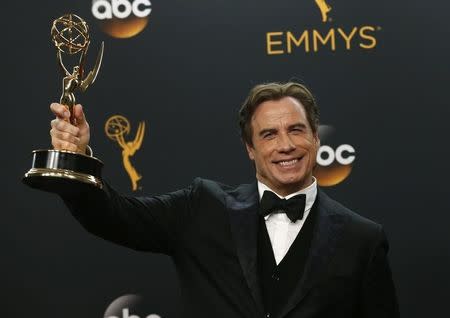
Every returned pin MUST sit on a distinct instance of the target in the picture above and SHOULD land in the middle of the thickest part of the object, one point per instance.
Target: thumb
(79, 116)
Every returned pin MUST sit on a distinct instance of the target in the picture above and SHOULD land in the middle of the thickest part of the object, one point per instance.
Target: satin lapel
(328, 228)
(243, 211)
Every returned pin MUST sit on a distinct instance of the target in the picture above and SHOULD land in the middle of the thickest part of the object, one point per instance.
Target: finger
(64, 136)
(63, 126)
(60, 111)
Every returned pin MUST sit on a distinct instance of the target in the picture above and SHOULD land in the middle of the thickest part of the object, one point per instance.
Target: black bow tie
(294, 207)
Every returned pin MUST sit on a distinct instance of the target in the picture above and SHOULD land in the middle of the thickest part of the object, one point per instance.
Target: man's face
(284, 147)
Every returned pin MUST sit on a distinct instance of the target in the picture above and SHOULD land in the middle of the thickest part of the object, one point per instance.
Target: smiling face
(284, 146)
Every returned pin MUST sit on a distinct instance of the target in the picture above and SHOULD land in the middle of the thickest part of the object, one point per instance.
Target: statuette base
(62, 172)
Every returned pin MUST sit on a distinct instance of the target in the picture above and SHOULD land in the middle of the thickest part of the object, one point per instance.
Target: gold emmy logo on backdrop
(323, 37)
(116, 128)
(324, 9)
(122, 18)
(62, 170)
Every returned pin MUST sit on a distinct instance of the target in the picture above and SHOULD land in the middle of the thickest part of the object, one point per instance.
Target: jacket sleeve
(141, 223)
(378, 295)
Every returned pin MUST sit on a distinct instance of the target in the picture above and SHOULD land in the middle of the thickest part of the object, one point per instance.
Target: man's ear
(250, 151)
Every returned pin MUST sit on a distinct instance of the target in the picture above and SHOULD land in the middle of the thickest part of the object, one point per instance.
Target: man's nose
(285, 143)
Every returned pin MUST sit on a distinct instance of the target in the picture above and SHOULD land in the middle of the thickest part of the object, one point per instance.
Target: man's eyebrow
(297, 125)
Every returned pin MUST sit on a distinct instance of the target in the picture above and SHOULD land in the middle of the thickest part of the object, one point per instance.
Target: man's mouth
(287, 163)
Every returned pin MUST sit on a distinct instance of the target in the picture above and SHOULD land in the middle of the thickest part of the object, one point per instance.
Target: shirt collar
(310, 191)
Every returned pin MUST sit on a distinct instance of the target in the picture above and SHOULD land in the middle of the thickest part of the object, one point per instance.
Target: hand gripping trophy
(61, 170)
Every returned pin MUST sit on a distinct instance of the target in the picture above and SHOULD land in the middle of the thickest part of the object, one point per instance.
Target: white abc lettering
(103, 9)
(144, 12)
(344, 155)
(121, 8)
(330, 158)
(340, 151)
(126, 314)
(96, 9)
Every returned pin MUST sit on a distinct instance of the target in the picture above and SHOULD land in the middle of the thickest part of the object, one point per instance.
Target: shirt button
(268, 315)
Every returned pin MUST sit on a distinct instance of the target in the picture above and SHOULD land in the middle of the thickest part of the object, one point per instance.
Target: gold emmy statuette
(61, 170)
(115, 128)
(324, 8)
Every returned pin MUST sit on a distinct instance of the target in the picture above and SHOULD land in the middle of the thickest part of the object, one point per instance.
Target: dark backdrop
(185, 75)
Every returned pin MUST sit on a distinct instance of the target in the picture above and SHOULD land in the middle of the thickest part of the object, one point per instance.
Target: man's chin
(298, 182)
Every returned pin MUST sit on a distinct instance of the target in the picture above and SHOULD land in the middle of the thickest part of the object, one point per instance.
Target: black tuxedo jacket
(210, 230)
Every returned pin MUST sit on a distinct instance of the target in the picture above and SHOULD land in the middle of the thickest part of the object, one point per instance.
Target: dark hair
(276, 91)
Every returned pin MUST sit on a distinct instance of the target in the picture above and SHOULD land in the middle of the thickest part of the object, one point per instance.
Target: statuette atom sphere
(117, 126)
(70, 34)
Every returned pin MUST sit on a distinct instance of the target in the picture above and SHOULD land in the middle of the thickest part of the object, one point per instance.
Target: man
(276, 248)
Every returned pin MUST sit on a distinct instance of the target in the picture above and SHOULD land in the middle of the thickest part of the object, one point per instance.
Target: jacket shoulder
(215, 186)
(223, 192)
(355, 223)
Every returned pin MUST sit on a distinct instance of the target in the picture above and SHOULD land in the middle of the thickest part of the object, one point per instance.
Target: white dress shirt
(282, 231)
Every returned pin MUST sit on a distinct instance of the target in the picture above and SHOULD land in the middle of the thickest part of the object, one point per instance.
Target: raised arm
(147, 223)
(142, 223)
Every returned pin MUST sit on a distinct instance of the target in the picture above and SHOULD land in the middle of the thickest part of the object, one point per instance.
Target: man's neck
(287, 193)
(288, 190)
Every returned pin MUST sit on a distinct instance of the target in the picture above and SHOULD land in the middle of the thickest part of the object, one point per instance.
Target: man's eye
(297, 130)
(268, 135)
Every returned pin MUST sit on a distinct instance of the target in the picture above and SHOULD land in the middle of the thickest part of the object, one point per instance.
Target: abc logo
(126, 314)
(344, 154)
(334, 164)
(122, 18)
(128, 306)
(103, 9)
